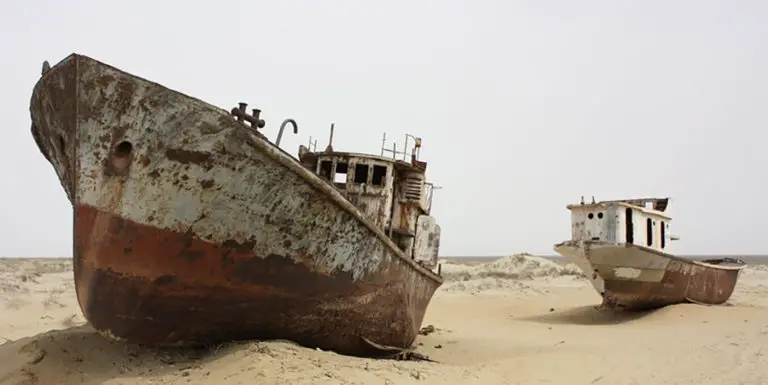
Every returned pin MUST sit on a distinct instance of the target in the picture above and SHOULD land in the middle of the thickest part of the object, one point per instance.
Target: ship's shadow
(81, 355)
(587, 315)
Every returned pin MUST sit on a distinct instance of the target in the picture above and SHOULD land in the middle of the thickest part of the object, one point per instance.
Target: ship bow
(53, 109)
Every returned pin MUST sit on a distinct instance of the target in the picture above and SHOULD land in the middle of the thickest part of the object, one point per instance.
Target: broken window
(379, 175)
(325, 169)
(361, 173)
(341, 173)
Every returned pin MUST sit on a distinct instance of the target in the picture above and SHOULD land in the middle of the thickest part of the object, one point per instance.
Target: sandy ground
(519, 320)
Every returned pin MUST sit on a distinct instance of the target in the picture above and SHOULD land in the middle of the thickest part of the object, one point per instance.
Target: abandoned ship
(191, 227)
(620, 246)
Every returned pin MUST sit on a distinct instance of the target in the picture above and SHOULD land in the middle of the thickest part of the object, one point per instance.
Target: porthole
(123, 149)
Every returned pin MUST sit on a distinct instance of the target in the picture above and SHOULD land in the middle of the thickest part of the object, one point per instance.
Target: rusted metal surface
(191, 228)
(282, 127)
(254, 118)
(619, 245)
(634, 277)
(427, 243)
(392, 193)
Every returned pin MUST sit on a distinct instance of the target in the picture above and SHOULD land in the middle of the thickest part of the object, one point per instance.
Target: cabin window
(663, 234)
(649, 232)
(379, 173)
(599, 215)
(590, 215)
(325, 169)
(341, 173)
(630, 229)
(361, 173)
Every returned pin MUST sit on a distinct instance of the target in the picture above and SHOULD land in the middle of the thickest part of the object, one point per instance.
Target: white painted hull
(574, 253)
(637, 277)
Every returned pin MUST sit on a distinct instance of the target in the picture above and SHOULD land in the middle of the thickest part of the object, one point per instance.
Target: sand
(519, 320)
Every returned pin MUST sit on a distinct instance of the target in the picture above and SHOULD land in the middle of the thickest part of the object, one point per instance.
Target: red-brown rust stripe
(160, 287)
(702, 285)
(633, 295)
(140, 311)
(133, 249)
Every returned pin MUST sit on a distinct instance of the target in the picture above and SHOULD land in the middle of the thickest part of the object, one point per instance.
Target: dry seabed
(518, 320)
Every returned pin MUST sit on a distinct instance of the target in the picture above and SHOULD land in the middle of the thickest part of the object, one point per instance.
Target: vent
(413, 187)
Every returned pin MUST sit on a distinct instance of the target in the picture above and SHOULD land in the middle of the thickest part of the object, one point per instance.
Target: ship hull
(639, 278)
(191, 229)
(574, 253)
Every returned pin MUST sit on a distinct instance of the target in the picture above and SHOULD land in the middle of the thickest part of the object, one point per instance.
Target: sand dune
(519, 320)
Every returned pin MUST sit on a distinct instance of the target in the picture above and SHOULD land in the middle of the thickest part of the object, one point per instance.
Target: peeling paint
(626, 272)
(191, 227)
(619, 246)
(391, 193)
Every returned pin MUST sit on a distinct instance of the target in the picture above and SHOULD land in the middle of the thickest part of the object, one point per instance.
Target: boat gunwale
(270, 149)
(616, 245)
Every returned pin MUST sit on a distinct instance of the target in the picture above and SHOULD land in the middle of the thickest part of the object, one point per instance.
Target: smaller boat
(620, 246)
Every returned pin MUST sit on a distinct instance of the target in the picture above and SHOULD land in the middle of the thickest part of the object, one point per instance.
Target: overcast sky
(523, 106)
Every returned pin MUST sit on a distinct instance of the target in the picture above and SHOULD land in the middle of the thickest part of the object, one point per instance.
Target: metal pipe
(405, 146)
(241, 115)
(415, 148)
(330, 140)
(282, 127)
(431, 194)
(383, 143)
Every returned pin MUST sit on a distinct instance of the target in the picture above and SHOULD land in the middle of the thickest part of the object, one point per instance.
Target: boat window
(590, 215)
(663, 234)
(341, 173)
(649, 231)
(325, 169)
(630, 230)
(379, 173)
(599, 215)
(361, 173)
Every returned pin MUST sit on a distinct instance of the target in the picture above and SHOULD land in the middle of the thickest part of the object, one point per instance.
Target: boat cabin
(633, 221)
(390, 192)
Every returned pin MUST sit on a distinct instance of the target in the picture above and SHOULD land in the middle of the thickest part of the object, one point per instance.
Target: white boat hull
(637, 277)
(575, 254)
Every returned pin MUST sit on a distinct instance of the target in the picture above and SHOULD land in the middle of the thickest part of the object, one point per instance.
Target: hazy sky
(523, 106)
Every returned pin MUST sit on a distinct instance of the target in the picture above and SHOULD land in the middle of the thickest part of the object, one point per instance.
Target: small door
(427, 245)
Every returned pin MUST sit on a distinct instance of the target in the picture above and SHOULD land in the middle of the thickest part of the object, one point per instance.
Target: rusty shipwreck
(620, 246)
(191, 227)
